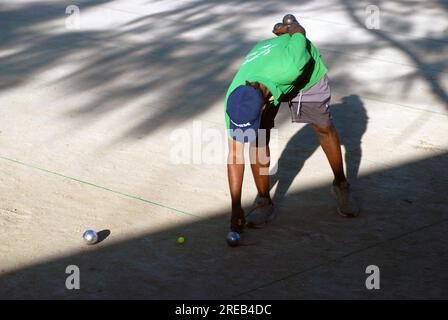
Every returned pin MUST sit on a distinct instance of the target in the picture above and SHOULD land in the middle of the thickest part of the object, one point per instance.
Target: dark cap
(244, 106)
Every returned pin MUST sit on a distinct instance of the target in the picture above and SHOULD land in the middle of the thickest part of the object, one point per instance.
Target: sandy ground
(86, 141)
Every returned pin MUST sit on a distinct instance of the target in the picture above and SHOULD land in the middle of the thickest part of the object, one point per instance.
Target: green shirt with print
(277, 63)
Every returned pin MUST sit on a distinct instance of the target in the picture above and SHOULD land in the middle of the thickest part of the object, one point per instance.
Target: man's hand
(280, 29)
(295, 27)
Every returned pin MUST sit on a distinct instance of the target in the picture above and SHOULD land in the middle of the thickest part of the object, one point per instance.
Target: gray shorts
(313, 105)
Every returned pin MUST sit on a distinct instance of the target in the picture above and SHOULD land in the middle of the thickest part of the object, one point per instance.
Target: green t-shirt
(277, 63)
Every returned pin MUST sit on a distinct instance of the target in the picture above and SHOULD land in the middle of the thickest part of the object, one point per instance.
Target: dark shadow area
(402, 229)
(350, 118)
(102, 235)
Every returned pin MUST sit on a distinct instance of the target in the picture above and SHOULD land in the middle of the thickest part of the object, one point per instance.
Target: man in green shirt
(287, 68)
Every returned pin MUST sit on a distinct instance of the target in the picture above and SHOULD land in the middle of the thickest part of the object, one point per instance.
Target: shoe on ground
(346, 204)
(237, 224)
(261, 214)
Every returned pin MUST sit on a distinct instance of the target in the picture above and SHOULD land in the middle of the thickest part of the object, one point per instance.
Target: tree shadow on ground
(423, 52)
(170, 65)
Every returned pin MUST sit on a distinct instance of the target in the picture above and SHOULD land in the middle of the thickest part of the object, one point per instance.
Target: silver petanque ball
(289, 19)
(90, 237)
(233, 238)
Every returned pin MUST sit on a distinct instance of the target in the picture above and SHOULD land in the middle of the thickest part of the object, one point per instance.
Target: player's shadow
(350, 118)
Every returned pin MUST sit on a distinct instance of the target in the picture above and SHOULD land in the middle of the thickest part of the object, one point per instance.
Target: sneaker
(347, 206)
(261, 214)
(237, 224)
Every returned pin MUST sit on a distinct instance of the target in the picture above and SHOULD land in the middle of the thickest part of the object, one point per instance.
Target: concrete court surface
(87, 112)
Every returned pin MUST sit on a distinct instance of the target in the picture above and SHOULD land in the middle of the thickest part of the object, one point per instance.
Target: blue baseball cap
(244, 106)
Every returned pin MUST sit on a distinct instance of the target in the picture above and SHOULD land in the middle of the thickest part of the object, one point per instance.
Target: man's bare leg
(263, 211)
(235, 173)
(260, 162)
(329, 141)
